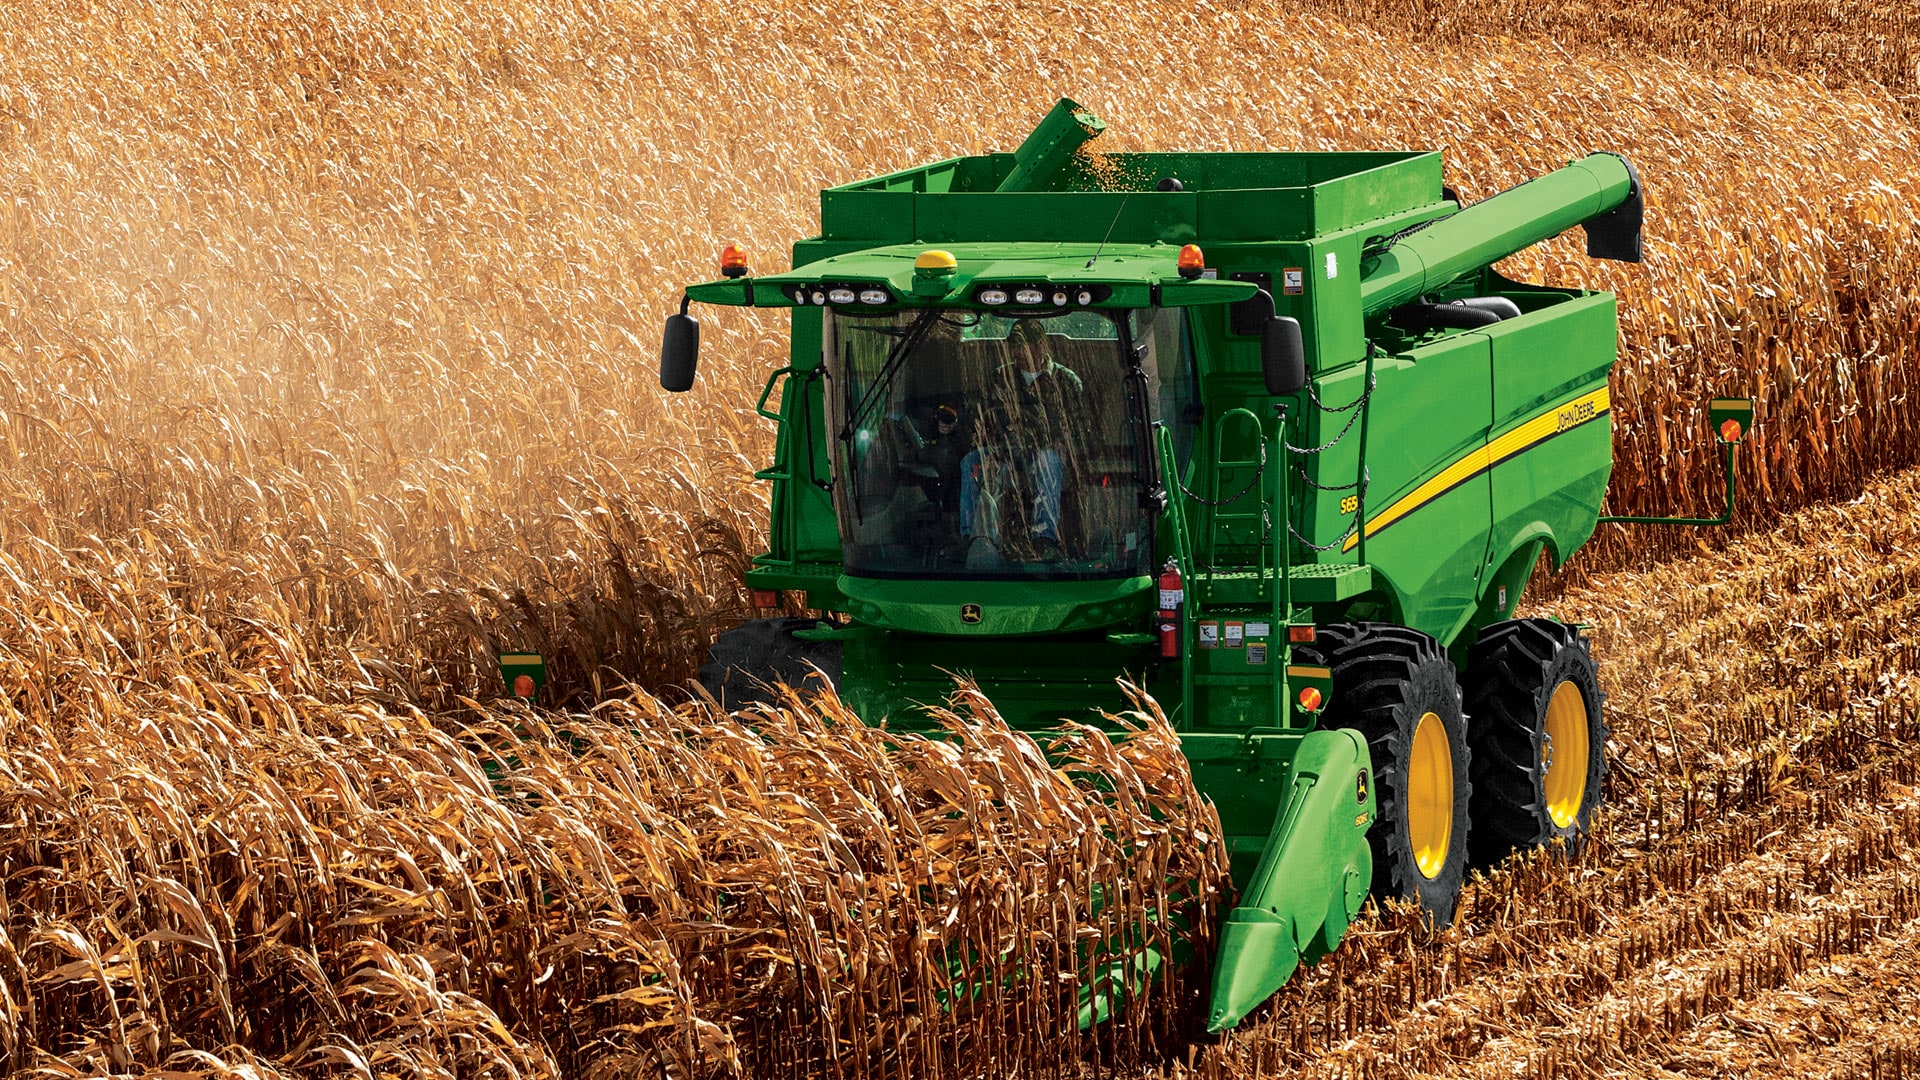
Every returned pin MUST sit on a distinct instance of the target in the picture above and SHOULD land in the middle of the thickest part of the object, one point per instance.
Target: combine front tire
(1396, 688)
(1537, 735)
(746, 660)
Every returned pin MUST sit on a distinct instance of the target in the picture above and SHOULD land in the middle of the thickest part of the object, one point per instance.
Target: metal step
(1318, 583)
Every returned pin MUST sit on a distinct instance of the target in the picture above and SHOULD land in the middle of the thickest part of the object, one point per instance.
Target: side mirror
(1283, 356)
(679, 353)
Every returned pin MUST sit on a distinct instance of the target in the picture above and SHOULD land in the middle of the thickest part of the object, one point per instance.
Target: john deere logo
(970, 613)
(1360, 787)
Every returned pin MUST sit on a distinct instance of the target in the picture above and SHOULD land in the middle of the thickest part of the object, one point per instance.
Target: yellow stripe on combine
(1538, 429)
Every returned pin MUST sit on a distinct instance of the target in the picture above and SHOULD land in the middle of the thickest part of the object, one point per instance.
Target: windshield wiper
(896, 358)
(1152, 495)
(905, 340)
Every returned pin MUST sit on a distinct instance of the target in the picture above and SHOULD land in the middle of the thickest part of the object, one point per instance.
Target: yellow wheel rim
(1564, 755)
(1430, 795)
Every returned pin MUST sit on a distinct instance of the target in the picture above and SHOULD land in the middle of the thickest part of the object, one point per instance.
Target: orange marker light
(763, 598)
(1300, 634)
(1192, 261)
(733, 261)
(523, 686)
(1730, 430)
(1310, 699)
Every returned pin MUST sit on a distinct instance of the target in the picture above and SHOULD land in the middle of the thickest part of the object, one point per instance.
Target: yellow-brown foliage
(326, 360)
(370, 293)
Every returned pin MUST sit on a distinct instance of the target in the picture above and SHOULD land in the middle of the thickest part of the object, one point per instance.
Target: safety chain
(1341, 539)
(1359, 485)
(1349, 408)
(1361, 482)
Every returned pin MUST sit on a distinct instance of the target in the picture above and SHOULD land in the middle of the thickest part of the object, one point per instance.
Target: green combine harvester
(1263, 432)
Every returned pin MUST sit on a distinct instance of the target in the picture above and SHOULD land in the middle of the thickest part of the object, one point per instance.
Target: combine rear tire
(746, 660)
(1537, 735)
(1396, 688)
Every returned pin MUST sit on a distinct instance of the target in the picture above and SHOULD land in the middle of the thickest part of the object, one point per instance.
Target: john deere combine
(1264, 432)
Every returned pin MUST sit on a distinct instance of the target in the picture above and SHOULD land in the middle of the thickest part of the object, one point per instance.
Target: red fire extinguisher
(1172, 594)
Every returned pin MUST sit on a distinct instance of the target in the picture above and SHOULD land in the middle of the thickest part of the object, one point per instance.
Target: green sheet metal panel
(1358, 197)
(1552, 444)
(1428, 506)
(1253, 215)
(1332, 281)
(877, 217)
(891, 675)
(1164, 217)
(1552, 351)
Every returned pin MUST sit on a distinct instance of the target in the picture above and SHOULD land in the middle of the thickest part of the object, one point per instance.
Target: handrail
(1183, 559)
(767, 391)
(1217, 466)
(1282, 608)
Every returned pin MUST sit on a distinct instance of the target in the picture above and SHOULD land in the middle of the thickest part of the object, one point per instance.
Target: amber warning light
(523, 672)
(733, 261)
(1730, 418)
(1192, 261)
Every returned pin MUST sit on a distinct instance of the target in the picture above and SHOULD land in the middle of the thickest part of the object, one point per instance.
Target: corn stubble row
(326, 339)
(1759, 850)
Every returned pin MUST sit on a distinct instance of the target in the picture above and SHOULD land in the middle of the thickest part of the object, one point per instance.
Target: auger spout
(1053, 143)
(1600, 191)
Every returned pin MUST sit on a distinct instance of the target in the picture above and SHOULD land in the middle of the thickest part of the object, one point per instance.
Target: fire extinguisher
(1172, 595)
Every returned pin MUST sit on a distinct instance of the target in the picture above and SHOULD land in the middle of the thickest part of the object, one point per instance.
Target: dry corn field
(327, 340)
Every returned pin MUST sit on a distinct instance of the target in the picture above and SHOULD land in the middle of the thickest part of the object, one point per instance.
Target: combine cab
(1264, 432)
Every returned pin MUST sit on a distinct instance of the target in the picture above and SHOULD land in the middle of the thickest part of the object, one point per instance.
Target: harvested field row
(1539, 938)
(1767, 740)
(1847, 1019)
